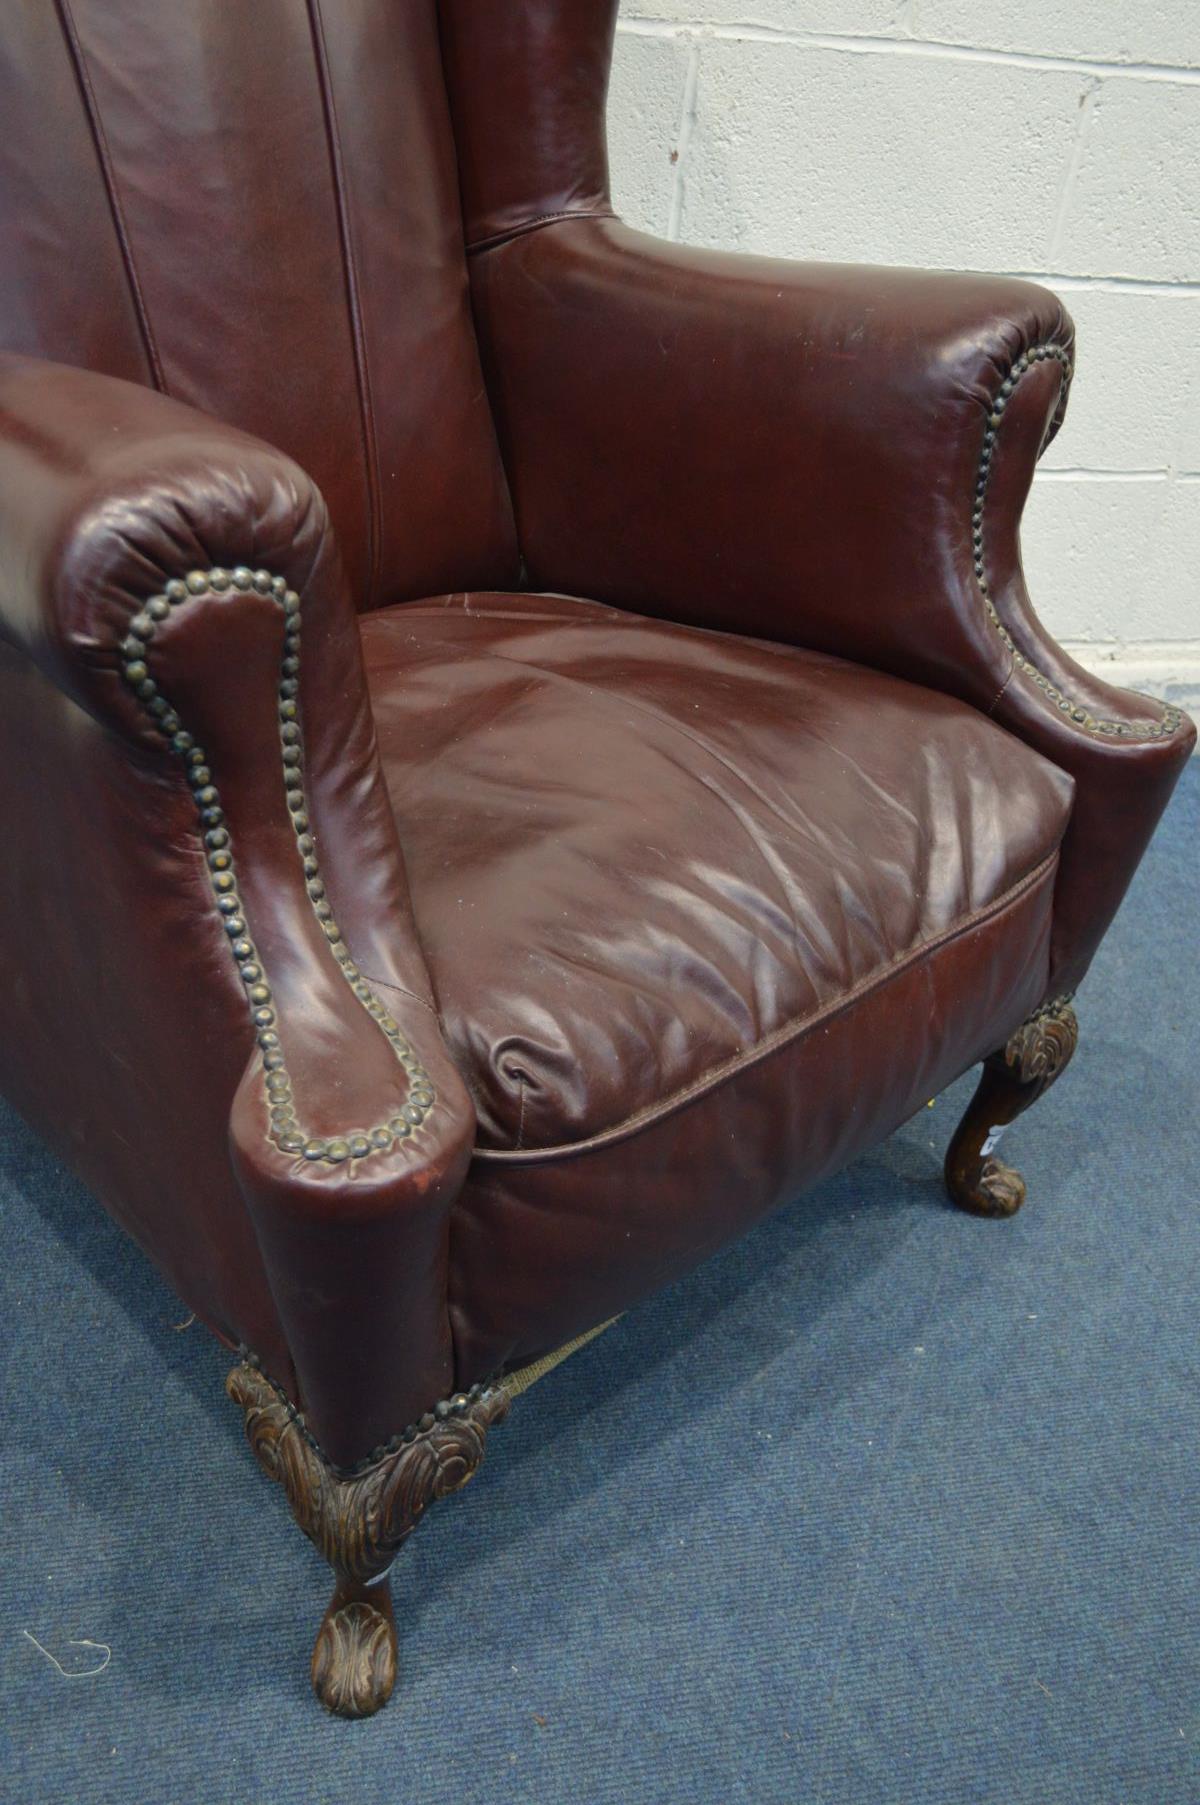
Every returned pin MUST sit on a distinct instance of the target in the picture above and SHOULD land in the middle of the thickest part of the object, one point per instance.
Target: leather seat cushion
(640, 852)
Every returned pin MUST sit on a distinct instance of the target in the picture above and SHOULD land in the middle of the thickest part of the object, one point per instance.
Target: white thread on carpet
(80, 1673)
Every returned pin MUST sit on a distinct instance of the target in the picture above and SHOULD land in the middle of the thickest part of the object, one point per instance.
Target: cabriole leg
(359, 1521)
(1011, 1080)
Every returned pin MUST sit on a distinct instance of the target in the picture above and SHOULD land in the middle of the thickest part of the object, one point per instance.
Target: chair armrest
(832, 456)
(779, 449)
(179, 580)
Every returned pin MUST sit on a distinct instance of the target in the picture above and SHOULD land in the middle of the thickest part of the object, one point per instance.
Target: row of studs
(442, 1412)
(135, 649)
(1147, 730)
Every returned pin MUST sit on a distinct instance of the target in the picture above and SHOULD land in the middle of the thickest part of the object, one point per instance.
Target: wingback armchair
(523, 745)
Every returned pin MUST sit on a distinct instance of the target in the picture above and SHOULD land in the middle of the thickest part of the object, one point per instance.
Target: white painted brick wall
(1059, 142)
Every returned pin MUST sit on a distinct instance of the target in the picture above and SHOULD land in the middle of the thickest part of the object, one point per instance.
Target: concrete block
(1113, 561)
(854, 18)
(876, 157)
(1135, 400)
(645, 108)
(1132, 207)
(1148, 31)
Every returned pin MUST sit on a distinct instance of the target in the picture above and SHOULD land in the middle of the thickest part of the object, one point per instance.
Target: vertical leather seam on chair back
(108, 175)
(521, 578)
(353, 304)
(288, 257)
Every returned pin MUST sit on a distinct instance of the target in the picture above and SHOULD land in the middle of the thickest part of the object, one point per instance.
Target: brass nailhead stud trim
(442, 1412)
(1075, 711)
(285, 1130)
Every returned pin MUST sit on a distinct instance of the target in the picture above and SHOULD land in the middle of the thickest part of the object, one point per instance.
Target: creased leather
(638, 851)
(541, 1251)
(704, 918)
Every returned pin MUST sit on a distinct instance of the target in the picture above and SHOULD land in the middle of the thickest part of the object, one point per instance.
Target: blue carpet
(883, 1505)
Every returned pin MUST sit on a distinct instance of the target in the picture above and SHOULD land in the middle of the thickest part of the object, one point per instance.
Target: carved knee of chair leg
(1012, 1080)
(359, 1520)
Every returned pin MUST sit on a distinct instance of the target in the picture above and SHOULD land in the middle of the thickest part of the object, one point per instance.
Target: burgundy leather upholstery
(639, 997)
(790, 828)
(874, 397)
(107, 492)
(259, 207)
(686, 902)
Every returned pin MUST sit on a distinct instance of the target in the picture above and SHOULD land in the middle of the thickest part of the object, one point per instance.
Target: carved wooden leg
(359, 1522)
(1011, 1081)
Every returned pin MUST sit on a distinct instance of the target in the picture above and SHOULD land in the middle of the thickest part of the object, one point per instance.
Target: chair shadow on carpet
(667, 1369)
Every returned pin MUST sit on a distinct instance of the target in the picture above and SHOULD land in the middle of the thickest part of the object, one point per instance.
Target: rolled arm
(179, 582)
(828, 455)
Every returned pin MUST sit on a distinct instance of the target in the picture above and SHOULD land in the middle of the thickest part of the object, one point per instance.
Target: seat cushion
(703, 915)
(639, 851)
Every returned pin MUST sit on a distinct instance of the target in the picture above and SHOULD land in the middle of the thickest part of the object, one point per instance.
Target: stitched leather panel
(258, 207)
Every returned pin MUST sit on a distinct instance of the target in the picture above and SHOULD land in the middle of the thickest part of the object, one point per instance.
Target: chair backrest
(254, 205)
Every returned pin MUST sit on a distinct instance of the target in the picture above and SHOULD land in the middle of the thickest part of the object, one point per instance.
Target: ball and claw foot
(354, 1657)
(995, 1190)
(1011, 1081)
(358, 1521)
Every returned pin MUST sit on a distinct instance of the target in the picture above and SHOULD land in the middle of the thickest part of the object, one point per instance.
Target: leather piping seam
(495, 239)
(401, 990)
(370, 437)
(780, 1038)
(285, 1131)
(1075, 712)
(442, 1412)
(108, 175)
(1000, 693)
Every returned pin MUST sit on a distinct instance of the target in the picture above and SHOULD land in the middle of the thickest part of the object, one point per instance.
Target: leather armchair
(527, 744)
